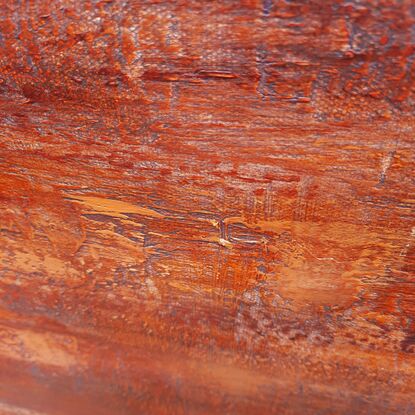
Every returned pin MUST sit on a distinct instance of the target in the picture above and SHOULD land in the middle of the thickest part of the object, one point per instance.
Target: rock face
(207, 207)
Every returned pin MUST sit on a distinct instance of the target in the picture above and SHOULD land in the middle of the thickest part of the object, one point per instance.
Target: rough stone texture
(207, 207)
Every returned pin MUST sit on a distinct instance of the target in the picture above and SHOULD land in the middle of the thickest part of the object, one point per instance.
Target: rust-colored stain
(207, 207)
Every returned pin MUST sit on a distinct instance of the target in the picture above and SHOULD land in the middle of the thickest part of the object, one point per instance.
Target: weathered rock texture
(207, 207)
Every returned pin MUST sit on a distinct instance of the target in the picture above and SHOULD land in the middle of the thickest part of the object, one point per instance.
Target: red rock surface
(207, 207)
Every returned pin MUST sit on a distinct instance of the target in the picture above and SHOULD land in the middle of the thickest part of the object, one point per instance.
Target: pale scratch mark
(114, 208)
(119, 209)
(49, 349)
(225, 243)
(385, 165)
(246, 241)
(223, 238)
(17, 410)
(263, 87)
(152, 288)
(221, 241)
(224, 234)
(121, 238)
(321, 258)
